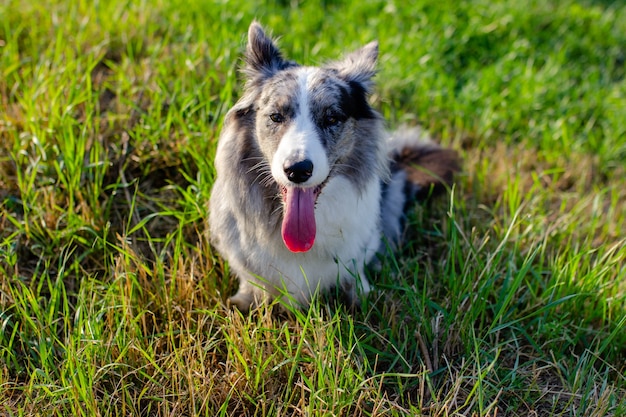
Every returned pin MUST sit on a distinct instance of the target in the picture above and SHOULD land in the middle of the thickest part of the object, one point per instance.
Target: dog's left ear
(358, 66)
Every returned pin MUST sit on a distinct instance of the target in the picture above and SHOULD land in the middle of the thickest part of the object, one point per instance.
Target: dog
(309, 186)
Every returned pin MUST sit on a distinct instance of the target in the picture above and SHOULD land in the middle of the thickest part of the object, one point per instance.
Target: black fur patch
(360, 107)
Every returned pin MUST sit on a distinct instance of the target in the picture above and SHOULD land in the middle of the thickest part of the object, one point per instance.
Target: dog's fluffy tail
(420, 168)
(429, 168)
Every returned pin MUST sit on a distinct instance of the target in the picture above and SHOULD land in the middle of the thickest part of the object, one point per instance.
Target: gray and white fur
(309, 185)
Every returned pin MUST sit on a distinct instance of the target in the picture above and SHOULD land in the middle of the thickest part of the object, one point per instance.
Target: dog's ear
(358, 66)
(263, 59)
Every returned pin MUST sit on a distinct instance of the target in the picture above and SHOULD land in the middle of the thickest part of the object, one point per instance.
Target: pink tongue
(299, 220)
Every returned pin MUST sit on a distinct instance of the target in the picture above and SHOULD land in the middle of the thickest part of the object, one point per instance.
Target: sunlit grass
(508, 297)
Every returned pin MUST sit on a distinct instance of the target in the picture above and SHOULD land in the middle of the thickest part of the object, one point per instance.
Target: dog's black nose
(300, 171)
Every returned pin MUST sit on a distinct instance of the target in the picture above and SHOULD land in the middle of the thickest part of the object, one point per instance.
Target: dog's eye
(331, 120)
(277, 118)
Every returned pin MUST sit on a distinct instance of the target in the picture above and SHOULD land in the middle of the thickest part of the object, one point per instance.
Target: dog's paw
(243, 301)
(354, 291)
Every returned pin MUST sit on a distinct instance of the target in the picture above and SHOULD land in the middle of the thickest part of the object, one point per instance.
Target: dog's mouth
(298, 228)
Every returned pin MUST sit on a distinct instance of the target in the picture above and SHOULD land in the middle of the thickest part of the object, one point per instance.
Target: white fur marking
(341, 213)
(301, 141)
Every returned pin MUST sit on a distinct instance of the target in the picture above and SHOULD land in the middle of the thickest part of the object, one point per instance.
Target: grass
(508, 298)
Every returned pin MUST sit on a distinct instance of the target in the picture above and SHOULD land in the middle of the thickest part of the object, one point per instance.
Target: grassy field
(508, 298)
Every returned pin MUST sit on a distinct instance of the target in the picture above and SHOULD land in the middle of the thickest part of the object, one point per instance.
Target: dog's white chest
(348, 220)
(348, 236)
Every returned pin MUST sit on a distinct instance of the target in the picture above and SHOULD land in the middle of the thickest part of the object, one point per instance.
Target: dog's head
(307, 125)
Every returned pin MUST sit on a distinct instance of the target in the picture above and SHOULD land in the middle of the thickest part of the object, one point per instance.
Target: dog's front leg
(354, 288)
(249, 295)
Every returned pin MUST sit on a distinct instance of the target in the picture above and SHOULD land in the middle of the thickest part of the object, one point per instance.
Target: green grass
(508, 297)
